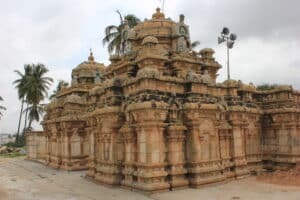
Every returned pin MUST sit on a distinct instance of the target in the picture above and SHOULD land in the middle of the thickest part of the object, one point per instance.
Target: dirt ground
(26, 180)
(290, 177)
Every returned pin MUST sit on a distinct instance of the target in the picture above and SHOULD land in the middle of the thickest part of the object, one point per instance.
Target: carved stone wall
(156, 119)
(36, 145)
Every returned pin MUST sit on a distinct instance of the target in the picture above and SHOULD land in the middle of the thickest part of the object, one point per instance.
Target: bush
(266, 86)
(14, 144)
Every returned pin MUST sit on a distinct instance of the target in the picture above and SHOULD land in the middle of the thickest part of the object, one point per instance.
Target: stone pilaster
(151, 171)
(109, 156)
(55, 149)
(226, 143)
(176, 155)
(129, 170)
(238, 149)
(91, 131)
(203, 154)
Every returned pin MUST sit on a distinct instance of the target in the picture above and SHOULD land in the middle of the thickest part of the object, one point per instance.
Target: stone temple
(156, 119)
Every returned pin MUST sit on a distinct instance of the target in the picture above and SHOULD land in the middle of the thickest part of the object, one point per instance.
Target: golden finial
(158, 14)
(91, 57)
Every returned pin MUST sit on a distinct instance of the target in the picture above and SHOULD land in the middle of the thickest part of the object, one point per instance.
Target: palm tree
(1, 107)
(21, 86)
(132, 20)
(113, 33)
(61, 84)
(35, 111)
(32, 88)
(37, 87)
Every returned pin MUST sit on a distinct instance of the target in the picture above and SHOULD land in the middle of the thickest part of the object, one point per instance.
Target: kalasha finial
(158, 14)
(91, 57)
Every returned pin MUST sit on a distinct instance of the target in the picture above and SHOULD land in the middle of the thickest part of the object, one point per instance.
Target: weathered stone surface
(155, 118)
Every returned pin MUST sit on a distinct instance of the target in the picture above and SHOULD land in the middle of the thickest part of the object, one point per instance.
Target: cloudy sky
(59, 33)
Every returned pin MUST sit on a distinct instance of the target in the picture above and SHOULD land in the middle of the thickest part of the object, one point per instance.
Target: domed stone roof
(284, 87)
(231, 83)
(157, 27)
(88, 69)
(247, 87)
(150, 39)
(209, 51)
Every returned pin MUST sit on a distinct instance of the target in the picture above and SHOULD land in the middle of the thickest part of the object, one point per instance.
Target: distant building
(6, 138)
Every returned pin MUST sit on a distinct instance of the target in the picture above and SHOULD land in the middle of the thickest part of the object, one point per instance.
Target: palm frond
(132, 20)
(108, 38)
(111, 29)
(195, 44)
(113, 33)
(121, 17)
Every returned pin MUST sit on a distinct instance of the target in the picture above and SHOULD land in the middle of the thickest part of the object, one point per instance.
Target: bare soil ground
(26, 180)
(287, 178)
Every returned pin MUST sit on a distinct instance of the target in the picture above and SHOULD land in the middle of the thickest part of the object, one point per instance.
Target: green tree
(113, 33)
(1, 108)
(21, 85)
(61, 84)
(37, 90)
(32, 87)
(35, 112)
(266, 86)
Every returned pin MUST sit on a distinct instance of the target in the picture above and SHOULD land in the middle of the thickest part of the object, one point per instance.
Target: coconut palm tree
(21, 85)
(38, 84)
(1, 107)
(35, 111)
(61, 84)
(132, 20)
(32, 87)
(37, 90)
(113, 33)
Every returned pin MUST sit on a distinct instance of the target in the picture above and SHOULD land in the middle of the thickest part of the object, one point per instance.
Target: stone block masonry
(155, 119)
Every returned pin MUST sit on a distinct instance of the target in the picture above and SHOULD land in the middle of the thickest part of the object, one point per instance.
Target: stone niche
(155, 119)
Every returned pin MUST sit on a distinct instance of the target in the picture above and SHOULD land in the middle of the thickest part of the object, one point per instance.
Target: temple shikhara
(156, 119)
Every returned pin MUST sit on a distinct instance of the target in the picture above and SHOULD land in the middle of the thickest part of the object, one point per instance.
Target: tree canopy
(266, 86)
(113, 33)
(32, 86)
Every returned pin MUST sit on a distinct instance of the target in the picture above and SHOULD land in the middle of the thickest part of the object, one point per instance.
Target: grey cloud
(250, 18)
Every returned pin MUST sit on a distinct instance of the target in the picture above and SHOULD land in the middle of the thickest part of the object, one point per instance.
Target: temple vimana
(156, 119)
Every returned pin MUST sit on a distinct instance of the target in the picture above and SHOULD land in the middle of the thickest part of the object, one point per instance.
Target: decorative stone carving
(155, 119)
(148, 73)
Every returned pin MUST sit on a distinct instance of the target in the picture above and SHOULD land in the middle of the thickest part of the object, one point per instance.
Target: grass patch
(12, 155)
(14, 144)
